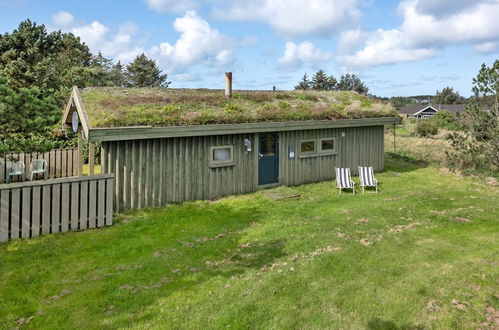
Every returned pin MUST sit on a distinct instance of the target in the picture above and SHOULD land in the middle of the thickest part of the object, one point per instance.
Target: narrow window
(327, 146)
(221, 156)
(308, 148)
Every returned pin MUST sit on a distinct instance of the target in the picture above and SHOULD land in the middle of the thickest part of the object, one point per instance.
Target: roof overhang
(149, 132)
(75, 104)
(422, 110)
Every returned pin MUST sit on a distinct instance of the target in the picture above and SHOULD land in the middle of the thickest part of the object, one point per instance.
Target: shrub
(444, 119)
(426, 128)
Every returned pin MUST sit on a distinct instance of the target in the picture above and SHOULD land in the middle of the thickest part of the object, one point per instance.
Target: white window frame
(327, 152)
(221, 163)
(308, 153)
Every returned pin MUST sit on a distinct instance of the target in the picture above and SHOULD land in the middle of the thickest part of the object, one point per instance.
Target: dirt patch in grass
(401, 228)
(459, 219)
(432, 306)
(136, 288)
(491, 318)
(278, 196)
(361, 221)
(460, 305)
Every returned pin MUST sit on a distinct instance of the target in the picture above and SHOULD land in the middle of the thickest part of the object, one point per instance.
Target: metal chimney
(228, 85)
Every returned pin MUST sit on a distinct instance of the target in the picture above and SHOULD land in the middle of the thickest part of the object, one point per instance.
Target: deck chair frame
(367, 179)
(344, 179)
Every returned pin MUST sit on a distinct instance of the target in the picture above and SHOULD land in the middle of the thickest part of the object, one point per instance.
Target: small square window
(327, 146)
(221, 156)
(308, 148)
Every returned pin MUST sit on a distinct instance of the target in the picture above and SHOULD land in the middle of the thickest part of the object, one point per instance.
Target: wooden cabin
(171, 145)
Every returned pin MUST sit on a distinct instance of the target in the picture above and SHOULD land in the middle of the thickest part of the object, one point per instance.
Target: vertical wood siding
(30, 209)
(154, 172)
(361, 146)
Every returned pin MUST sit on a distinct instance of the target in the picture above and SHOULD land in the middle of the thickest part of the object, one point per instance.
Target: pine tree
(30, 56)
(117, 75)
(144, 72)
(102, 68)
(322, 82)
(350, 82)
(304, 84)
(448, 96)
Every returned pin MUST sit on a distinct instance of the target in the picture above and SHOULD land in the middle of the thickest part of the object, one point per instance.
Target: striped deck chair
(366, 176)
(343, 179)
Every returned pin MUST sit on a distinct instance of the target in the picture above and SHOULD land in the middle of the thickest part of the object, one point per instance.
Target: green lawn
(300, 257)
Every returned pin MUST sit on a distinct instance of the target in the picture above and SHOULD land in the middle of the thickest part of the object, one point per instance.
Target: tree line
(323, 82)
(38, 69)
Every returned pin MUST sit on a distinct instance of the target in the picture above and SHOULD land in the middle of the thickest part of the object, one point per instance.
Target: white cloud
(92, 34)
(186, 76)
(63, 19)
(421, 35)
(296, 54)
(487, 47)
(293, 18)
(176, 6)
(198, 42)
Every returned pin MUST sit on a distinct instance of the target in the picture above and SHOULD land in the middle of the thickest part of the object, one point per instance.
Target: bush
(426, 128)
(444, 119)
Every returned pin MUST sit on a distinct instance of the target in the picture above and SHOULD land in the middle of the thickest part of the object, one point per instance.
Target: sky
(399, 48)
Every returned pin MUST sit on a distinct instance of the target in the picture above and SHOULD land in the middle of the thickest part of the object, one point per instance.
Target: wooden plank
(2, 170)
(56, 208)
(80, 152)
(36, 208)
(26, 212)
(75, 203)
(15, 213)
(51, 164)
(64, 164)
(109, 201)
(91, 158)
(57, 163)
(92, 203)
(46, 203)
(132, 133)
(84, 205)
(71, 165)
(101, 186)
(27, 162)
(4, 214)
(65, 191)
(54, 181)
(119, 178)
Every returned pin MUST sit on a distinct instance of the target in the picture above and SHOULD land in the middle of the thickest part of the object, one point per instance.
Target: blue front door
(268, 159)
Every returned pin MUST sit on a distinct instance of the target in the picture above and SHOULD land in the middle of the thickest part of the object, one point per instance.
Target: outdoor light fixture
(291, 152)
(247, 143)
(342, 134)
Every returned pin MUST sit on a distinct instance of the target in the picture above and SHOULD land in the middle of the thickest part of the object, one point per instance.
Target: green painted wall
(154, 172)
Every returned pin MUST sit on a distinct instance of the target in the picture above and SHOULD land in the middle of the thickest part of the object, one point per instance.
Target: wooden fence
(61, 163)
(29, 209)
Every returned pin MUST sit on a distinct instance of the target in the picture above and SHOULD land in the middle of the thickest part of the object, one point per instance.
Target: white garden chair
(15, 169)
(367, 179)
(38, 166)
(344, 179)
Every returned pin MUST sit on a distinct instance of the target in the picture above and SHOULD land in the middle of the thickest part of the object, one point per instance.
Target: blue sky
(403, 47)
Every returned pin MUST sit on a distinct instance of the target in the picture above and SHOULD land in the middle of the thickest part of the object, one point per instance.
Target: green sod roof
(121, 107)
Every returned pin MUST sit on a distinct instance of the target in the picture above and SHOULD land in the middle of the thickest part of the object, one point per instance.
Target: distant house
(424, 111)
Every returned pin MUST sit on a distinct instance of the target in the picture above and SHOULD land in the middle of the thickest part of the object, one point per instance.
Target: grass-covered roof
(118, 107)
